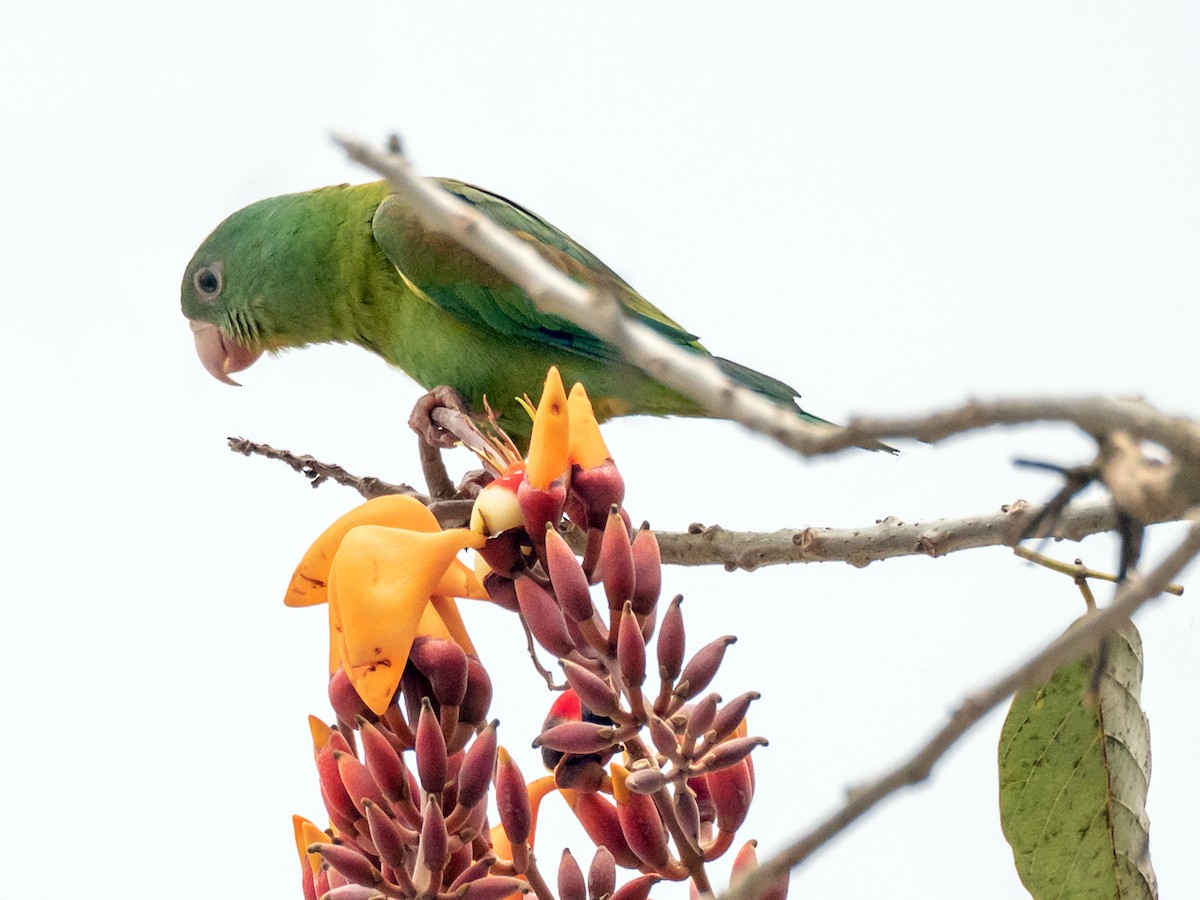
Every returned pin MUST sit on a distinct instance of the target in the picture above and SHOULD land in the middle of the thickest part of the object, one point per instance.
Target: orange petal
(380, 583)
(586, 446)
(548, 445)
(309, 582)
(306, 834)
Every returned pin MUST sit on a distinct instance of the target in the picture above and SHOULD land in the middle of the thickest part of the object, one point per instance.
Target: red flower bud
(602, 874)
(444, 663)
(616, 562)
(670, 645)
(637, 889)
(358, 781)
(647, 568)
(631, 652)
(350, 862)
(566, 576)
(512, 799)
(382, 761)
(702, 667)
(577, 737)
(430, 750)
(544, 617)
(475, 774)
(731, 715)
(640, 822)
(570, 879)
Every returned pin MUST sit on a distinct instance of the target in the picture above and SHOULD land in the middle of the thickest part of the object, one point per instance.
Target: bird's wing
(453, 278)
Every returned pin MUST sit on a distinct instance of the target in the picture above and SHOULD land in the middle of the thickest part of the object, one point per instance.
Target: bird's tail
(777, 390)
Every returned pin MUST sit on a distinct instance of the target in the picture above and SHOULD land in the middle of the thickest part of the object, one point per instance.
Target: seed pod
(567, 578)
(444, 663)
(577, 737)
(570, 878)
(616, 561)
(702, 667)
(602, 875)
(631, 652)
(512, 799)
(640, 822)
(647, 569)
(358, 781)
(350, 862)
(430, 750)
(731, 715)
(670, 645)
(475, 774)
(544, 617)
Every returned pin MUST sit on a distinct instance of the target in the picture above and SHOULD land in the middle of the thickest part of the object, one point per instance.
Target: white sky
(892, 206)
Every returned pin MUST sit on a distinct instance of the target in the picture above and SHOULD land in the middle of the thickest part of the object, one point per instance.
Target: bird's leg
(434, 468)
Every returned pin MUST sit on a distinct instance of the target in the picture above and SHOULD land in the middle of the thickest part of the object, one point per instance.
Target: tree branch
(1081, 638)
(711, 545)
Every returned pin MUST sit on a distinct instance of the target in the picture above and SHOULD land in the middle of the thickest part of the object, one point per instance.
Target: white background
(893, 207)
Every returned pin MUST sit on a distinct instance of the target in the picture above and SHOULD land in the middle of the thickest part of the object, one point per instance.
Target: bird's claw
(421, 420)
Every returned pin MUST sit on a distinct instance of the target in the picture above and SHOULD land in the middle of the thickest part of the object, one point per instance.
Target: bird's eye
(208, 282)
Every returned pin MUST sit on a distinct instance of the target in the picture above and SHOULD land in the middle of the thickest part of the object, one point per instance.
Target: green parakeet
(353, 264)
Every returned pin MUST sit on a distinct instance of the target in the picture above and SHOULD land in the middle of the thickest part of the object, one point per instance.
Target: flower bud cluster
(655, 767)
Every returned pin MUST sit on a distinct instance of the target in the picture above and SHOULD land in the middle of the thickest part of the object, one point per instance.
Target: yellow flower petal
(309, 582)
(548, 445)
(380, 583)
(447, 613)
(586, 446)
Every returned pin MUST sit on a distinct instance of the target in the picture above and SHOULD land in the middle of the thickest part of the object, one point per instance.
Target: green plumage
(353, 264)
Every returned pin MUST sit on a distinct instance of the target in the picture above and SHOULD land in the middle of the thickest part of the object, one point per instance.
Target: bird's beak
(220, 353)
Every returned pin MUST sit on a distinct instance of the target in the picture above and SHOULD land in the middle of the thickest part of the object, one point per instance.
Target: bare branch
(318, 472)
(1081, 638)
(749, 550)
(885, 539)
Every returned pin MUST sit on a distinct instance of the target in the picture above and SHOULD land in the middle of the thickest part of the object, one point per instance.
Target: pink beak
(220, 353)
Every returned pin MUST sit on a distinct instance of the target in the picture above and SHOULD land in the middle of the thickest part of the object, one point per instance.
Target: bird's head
(265, 279)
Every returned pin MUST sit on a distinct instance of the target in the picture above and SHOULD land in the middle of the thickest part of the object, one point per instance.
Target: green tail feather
(775, 389)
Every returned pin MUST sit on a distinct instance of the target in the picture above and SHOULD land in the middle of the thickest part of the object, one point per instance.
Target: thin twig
(1085, 636)
(318, 472)
(1078, 571)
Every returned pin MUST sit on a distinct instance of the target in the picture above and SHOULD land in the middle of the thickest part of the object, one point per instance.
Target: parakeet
(353, 264)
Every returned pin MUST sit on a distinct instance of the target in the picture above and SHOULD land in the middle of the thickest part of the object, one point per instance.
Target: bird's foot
(472, 483)
(422, 419)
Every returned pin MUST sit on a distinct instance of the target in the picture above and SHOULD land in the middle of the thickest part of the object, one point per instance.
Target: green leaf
(1074, 770)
